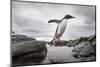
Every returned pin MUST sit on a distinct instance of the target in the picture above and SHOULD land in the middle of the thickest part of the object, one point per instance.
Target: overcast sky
(32, 19)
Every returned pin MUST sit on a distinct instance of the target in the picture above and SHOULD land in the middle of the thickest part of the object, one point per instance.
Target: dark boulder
(85, 49)
(78, 48)
(92, 40)
(27, 51)
(30, 52)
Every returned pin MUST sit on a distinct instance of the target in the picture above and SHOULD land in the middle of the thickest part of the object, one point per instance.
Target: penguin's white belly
(62, 27)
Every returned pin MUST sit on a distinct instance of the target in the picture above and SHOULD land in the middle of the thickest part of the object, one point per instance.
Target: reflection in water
(59, 54)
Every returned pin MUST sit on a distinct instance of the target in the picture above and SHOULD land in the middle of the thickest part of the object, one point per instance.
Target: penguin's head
(68, 17)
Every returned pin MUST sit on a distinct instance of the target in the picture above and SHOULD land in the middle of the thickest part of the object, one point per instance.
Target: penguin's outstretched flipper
(54, 21)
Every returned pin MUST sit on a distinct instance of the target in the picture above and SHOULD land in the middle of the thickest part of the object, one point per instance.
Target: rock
(91, 58)
(58, 43)
(73, 43)
(13, 32)
(85, 50)
(78, 48)
(70, 43)
(61, 43)
(84, 59)
(20, 38)
(92, 40)
(27, 51)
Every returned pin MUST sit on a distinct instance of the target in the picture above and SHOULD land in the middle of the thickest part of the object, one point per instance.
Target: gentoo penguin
(60, 28)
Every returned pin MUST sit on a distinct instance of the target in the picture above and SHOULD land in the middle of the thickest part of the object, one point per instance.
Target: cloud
(32, 19)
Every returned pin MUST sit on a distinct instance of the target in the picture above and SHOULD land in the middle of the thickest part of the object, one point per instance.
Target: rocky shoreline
(26, 50)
